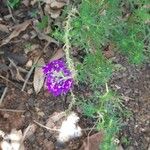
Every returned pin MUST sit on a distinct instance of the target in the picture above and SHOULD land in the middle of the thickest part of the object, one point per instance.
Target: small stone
(30, 91)
(28, 114)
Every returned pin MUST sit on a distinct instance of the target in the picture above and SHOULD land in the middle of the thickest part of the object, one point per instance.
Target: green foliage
(95, 69)
(131, 36)
(97, 24)
(43, 23)
(88, 109)
(13, 3)
(109, 110)
(91, 27)
(125, 141)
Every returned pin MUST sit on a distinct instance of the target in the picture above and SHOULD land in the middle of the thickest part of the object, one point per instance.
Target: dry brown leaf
(26, 2)
(38, 80)
(49, 1)
(4, 28)
(92, 142)
(54, 7)
(54, 118)
(14, 70)
(18, 29)
(59, 54)
(57, 5)
(43, 36)
(52, 12)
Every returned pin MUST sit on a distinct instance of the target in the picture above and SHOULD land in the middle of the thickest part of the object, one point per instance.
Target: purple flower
(58, 77)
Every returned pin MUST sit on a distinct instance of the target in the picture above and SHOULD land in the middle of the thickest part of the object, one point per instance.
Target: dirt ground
(19, 109)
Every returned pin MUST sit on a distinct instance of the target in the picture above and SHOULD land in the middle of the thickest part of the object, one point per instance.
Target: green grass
(13, 3)
(41, 25)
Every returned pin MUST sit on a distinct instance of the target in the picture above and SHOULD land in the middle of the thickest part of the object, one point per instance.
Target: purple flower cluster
(58, 77)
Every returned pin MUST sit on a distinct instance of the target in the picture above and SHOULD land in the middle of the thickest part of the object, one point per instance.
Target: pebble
(27, 114)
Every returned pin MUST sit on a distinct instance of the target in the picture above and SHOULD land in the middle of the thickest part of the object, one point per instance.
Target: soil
(19, 108)
(133, 83)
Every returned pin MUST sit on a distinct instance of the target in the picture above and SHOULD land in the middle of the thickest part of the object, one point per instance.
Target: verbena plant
(125, 24)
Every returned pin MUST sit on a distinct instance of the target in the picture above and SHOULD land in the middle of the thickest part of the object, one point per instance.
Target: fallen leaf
(26, 2)
(43, 36)
(57, 5)
(54, 13)
(4, 28)
(15, 71)
(59, 54)
(92, 142)
(18, 29)
(38, 80)
(54, 7)
(54, 118)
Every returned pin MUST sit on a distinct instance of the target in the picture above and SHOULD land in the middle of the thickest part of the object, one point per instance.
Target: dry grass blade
(3, 95)
(18, 29)
(12, 110)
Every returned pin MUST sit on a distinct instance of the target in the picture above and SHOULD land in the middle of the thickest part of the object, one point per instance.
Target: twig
(9, 81)
(3, 95)
(24, 135)
(12, 110)
(30, 72)
(45, 126)
(86, 129)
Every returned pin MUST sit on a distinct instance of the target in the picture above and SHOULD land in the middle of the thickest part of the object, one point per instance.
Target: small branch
(12, 110)
(57, 130)
(45, 126)
(30, 72)
(9, 81)
(3, 95)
